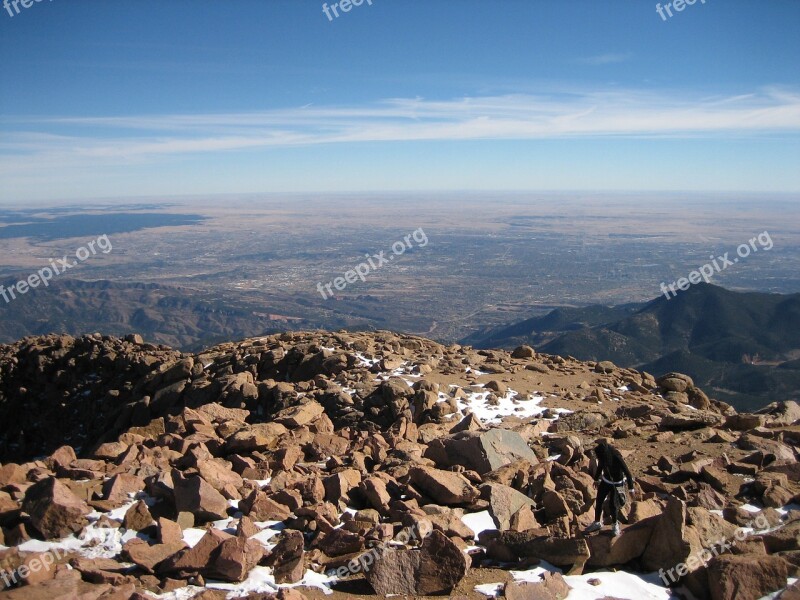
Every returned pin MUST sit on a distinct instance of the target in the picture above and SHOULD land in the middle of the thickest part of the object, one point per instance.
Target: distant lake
(70, 226)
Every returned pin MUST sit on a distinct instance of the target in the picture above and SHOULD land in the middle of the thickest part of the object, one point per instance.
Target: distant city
(489, 259)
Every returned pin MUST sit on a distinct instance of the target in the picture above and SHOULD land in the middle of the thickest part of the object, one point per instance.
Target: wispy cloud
(605, 59)
(75, 141)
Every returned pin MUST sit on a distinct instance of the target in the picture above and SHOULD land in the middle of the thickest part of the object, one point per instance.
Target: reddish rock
(197, 496)
(235, 557)
(448, 521)
(672, 541)
(551, 587)
(9, 508)
(147, 556)
(504, 503)
(67, 585)
(444, 487)
(607, 551)
(54, 510)
(291, 499)
(745, 577)
(288, 558)
(12, 473)
(195, 560)
(290, 594)
(110, 451)
(138, 517)
(523, 520)
(374, 489)
(436, 567)
(340, 542)
(120, 487)
(246, 527)
(792, 592)
(169, 531)
(260, 507)
(63, 457)
(219, 474)
(286, 458)
(537, 543)
(264, 436)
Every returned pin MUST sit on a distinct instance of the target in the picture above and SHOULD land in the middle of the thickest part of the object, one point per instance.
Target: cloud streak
(116, 140)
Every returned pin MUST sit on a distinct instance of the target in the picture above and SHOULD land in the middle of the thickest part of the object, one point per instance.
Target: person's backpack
(622, 495)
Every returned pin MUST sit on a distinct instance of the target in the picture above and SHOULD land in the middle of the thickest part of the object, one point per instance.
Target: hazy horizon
(185, 98)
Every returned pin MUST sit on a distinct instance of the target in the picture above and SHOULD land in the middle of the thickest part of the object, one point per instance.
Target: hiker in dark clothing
(610, 475)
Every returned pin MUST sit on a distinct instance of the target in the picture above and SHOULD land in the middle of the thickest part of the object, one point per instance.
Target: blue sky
(153, 98)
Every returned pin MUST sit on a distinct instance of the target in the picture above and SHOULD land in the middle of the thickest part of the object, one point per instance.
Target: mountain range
(741, 347)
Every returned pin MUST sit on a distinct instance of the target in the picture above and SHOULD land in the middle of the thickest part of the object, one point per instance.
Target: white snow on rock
(626, 586)
(479, 521)
(510, 404)
(262, 580)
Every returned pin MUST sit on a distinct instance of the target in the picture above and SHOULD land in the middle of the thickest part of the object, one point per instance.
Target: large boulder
(561, 552)
(235, 557)
(551, 587)
(288, 558)
(746, 576)
(443, 487)
(54, 510)
(197, 496)
(504, 503)
(480, 451)
(436, 567)
(607, 551)
(672, 541)
(691, 420)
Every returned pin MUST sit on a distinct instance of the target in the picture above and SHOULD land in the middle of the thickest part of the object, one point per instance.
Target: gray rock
(480, 451)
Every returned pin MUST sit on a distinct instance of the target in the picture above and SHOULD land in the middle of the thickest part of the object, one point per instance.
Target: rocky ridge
(375, 457)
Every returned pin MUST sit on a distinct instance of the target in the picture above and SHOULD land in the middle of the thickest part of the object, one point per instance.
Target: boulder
(444, 487)
(608, 551)
(263, 436)
(198, 558)
(288, 558)
(149, 556)
(260, 507)
(435, 568)
(745, 577)
(300, 415)
(674, 382)
(561, 552)
(504, 503)
(480, 451)
(138, 517)
(672, 541)
(523, 352)
(195, 495)
(234, 558)
(690, 421)
(551, 587)
(121, 487)
(54, 510)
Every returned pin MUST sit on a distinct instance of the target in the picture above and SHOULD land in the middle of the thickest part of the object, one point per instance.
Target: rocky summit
(375, 464)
